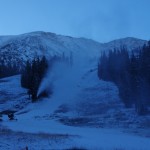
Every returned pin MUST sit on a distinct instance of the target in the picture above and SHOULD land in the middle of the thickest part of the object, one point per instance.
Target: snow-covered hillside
(23, 47)
(79, 108)
(129, 42)
(19, 48)
(83, 122)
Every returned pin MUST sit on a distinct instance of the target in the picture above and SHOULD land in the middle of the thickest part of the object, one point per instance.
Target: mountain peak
(130, 42)
(127, 39)
(26, 46)
(38, 33)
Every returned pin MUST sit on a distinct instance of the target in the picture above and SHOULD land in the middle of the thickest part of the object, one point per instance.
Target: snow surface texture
(11, 95)
(82, 110)
(38, 128)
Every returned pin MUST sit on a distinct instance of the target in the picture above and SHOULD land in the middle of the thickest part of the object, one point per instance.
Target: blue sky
(101, 20)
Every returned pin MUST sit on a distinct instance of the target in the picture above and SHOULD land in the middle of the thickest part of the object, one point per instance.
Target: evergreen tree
(130, 73)
(32, 76)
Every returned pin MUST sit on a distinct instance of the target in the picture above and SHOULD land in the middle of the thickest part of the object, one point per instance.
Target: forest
(130, 71)
(9, 69)
(32, 76)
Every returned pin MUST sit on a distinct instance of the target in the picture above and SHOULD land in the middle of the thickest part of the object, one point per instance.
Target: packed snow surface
(35, 121)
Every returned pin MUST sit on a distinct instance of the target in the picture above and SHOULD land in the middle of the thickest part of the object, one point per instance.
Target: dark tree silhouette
(32, 76)
(130, 73)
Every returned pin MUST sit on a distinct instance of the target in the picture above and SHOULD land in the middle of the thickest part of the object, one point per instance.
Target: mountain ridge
(43, 32)
(20, 48)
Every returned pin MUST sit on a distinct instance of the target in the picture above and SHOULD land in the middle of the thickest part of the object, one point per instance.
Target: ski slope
(37, 119)
(83, 110)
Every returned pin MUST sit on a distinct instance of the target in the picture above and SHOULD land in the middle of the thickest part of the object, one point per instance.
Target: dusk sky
(101, 20)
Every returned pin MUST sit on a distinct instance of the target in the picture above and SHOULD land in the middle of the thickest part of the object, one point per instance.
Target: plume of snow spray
(64, 80)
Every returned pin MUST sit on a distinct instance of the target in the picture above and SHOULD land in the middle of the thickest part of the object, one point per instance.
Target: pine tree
(32, 76)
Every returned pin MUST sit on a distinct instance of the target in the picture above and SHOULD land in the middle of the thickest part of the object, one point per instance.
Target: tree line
(32, 76)
(8, 69)
(131, 73)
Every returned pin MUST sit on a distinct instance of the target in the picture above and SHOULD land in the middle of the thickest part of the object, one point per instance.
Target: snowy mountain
(82, 110)
(129, 42)
(17, 49)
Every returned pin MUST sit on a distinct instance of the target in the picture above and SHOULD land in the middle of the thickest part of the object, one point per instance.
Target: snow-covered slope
(38, 128)
(129, 42)
(79, 97)
(19, 48)
(23, 47)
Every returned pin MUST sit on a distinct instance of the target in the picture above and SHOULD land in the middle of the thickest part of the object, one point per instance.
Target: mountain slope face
(129, 42)
(18, 49)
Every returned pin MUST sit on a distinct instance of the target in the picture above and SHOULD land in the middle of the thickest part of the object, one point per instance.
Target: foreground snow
(37, 128)
(90, 138)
